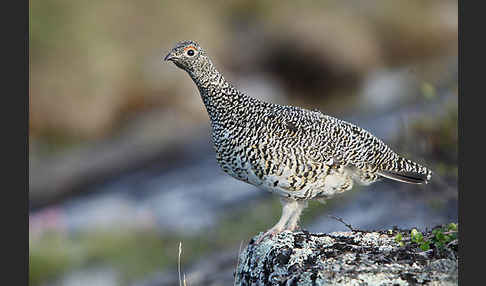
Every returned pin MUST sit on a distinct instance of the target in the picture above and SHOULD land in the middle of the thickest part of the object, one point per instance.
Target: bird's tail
(407, 171)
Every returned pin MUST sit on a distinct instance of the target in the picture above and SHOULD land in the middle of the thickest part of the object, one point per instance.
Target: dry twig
(343, 222)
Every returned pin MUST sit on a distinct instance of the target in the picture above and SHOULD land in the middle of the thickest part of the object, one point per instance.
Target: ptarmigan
(294, 152)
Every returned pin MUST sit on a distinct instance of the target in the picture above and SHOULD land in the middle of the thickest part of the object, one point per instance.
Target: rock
(344, 258)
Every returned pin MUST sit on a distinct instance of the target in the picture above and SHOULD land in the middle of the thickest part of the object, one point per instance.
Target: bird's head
(187, 55)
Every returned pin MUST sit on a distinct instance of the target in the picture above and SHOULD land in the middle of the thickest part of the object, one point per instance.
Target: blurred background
(121, 164)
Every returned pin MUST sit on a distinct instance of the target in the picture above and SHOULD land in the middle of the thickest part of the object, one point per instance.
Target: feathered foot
(288, 221)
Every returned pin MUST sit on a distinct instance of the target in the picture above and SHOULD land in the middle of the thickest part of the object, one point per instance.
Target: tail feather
(406, 177)
(408, 172)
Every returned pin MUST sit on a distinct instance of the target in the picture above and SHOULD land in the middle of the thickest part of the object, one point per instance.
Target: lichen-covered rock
(344, 258)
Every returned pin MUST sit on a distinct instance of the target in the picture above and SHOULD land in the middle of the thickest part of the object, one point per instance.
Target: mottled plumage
(297, 153)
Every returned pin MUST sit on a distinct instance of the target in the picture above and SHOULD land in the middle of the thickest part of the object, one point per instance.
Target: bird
(297, 153)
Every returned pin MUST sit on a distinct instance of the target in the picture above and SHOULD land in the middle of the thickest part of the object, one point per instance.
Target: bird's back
(303, 153)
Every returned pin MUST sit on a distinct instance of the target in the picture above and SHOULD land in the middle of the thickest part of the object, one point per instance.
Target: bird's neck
(218, 95)
(208, 79)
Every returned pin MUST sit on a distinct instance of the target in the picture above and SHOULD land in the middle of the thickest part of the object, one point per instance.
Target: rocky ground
(350, 258)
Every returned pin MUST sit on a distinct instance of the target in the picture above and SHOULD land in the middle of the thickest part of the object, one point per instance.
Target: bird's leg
(294, 219)
(288, 209)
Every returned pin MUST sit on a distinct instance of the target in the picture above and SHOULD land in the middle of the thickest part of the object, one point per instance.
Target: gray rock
(344, 258)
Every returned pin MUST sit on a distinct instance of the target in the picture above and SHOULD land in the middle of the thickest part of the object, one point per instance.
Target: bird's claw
(270, 233)
(295, 228)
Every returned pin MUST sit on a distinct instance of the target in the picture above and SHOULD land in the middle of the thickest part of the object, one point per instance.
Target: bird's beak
(169, 57)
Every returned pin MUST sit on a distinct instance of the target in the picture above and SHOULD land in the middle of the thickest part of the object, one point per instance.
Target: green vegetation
(438, 238)
(444, 235)
(398, 239)
(418, 238)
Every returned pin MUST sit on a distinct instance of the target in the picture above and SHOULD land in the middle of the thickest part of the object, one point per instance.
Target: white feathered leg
(291, 210)
(293, 222)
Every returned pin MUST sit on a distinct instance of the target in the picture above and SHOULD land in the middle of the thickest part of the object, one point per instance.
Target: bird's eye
(190, 52)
